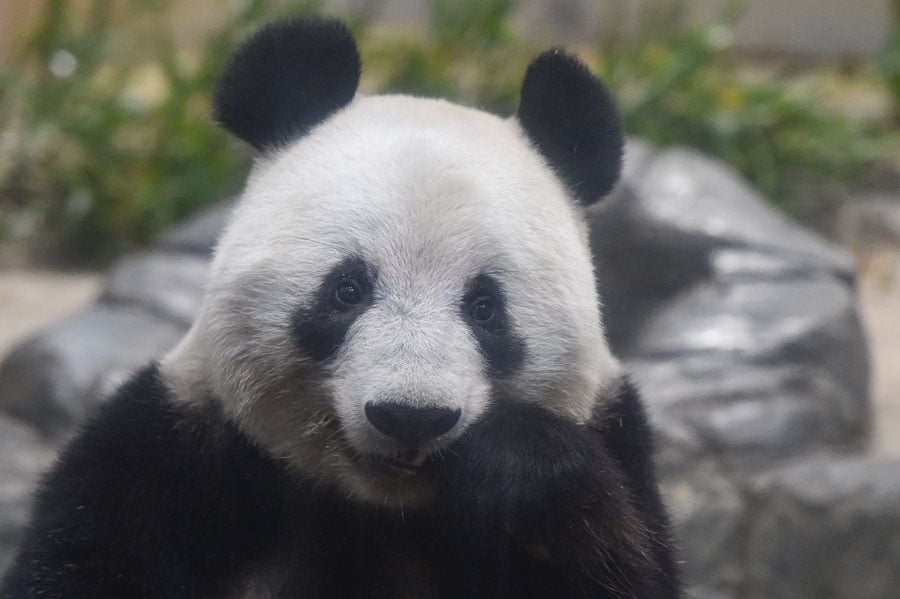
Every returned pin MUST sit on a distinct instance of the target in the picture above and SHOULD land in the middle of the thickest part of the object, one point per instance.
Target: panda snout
(411, 426)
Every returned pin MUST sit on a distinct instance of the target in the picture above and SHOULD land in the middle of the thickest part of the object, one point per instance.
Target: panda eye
(482, 309)
(348, 292)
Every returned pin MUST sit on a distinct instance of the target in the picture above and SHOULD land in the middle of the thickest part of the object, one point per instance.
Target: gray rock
(165, 283)
(870, 219)
(678, 219)
(741, 327)
(56, 377)
(198, 234)
(699, 199)
(745, 415)
(745, 318)
(752, 265)
(25, 456)
(826, 528)
(707, 519)
(801, 336)
(743, 333)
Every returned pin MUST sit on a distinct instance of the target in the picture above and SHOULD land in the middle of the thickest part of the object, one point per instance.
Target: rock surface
(167, 284)
(791, 552)
(740, 327)
(24, 456)
(56, 378)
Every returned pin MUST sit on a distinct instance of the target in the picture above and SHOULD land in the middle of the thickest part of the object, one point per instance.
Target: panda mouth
(404, 464)
(408, 462)
(400, 464)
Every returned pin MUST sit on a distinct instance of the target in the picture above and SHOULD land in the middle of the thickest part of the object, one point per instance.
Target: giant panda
(398, 384)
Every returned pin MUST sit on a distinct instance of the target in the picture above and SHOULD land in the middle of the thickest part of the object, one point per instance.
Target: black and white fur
(398, 384)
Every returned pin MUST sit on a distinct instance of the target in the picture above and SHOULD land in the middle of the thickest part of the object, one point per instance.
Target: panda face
(394, 269)
(406, 252)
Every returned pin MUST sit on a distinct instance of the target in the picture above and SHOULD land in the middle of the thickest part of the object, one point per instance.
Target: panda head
(396, 265)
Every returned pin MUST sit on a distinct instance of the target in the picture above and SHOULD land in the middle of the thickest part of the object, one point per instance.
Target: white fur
(430, 194)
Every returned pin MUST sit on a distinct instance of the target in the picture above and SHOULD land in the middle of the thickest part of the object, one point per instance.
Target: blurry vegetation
(105, 133)
(890, 64)
(105, 136)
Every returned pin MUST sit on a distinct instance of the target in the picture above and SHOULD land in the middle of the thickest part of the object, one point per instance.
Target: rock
(56, 377)
(744, 415)
(25, 456)
(707, 516)
(678, 216)
(165, 283)
(742, 331)
(768, 317)
(862, 217)
(696, 198)
(741, 327)
(871, 219)
(198, 234)
(760, 369)
(826, 528)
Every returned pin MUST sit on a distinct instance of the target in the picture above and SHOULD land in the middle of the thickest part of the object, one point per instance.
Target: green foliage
(106, 128)
(105, 135)
(889, 65)
(467, 54)
(683, 89)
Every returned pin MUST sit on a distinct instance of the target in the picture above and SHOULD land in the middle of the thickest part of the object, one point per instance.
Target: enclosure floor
(879, 291)
(30, 300)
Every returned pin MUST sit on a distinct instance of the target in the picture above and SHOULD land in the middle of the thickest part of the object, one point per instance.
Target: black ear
(289, 76)
(571, 117)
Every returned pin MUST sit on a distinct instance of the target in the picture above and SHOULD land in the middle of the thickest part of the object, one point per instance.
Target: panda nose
(409, 425)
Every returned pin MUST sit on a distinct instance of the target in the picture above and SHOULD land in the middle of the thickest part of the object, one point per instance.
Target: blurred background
(107, 138)
(112, 178)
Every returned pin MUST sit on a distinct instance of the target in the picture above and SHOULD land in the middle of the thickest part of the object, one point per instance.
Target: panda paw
(549, 489)
(531, 472)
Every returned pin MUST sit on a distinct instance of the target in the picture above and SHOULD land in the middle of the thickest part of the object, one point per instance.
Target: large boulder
(743, 332)
(826, 528)
(56, 377)
(740, 326)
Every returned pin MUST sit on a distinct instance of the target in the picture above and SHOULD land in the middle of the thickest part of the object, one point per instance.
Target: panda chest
(412, 577)
(390, 571)
(346, 568)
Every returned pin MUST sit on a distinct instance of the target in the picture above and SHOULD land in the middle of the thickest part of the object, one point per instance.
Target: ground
(880, 303)
(30, 300)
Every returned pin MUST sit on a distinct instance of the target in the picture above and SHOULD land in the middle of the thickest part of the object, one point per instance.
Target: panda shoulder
(142, 444)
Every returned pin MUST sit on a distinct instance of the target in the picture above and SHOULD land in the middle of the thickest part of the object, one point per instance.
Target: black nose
(411, 426)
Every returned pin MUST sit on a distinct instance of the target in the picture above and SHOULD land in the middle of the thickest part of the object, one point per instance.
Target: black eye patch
(344, 294)
(484, 309)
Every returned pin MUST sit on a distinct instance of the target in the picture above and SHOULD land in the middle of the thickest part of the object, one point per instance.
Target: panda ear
(286, 78)
(571, 118)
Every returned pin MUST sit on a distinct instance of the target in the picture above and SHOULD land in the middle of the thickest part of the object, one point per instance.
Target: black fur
(502, 349)
(321, 328)
(158, 499)
(564, 510)
(571, 117)
(150, 500)
(288, 77)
